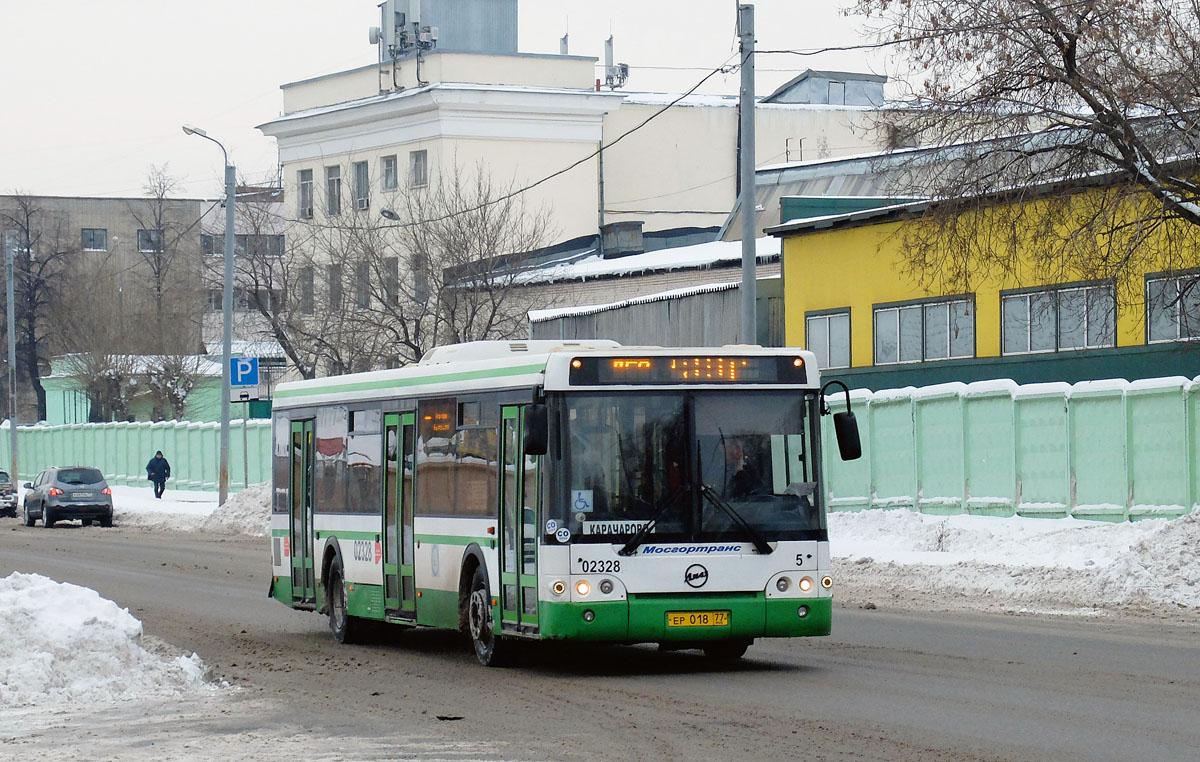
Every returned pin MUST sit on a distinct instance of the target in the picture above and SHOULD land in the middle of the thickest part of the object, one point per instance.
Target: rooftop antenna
(614, 75)
(400, 32)
(562, 41)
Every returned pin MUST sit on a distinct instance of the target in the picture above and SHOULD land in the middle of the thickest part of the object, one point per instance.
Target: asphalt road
(887, 685)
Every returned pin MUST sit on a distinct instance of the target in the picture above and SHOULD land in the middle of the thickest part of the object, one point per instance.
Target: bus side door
(304, 589)
(518, 525)
(399, 454)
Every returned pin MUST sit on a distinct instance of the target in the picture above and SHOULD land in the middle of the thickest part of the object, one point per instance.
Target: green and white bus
(572, 491)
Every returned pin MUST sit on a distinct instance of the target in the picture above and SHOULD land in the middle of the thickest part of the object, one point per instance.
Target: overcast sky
(93, 92)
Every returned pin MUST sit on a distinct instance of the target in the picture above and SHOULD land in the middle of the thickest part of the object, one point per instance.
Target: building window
(418, 169)
(1058, 319)
(307, 291)
(95, 239)
(1173, 308)
(362, 185)
(304, 184)
(334, 273)
(258, 244)
(215, 302)
(387, 168)
(333, 190)
(362, 286)
(150, 240)
(828, 337)
(391, 281)
(934, 330)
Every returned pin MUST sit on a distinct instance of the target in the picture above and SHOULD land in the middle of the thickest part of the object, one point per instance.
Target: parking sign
(243, 371)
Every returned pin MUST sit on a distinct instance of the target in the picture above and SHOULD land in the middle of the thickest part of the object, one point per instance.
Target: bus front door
(518, 526)
(399, 449)
(304, 589)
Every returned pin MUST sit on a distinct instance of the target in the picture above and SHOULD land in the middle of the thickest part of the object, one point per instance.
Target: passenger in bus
(742, 477)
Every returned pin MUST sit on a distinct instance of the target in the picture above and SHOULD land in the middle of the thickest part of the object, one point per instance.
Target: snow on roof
(698, 256)
(138, 364)
(540, 316)
(248, 348)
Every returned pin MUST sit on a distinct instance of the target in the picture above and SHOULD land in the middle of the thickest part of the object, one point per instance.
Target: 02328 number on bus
(599, 567)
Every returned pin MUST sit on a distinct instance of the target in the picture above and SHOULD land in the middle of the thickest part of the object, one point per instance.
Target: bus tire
(727, 650)
(489, 650)
(345, 628)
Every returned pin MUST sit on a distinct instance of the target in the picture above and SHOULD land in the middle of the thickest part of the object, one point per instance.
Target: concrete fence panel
(1160, 457)
(1042, 456)
(938, 435)
(893, 450)
(989, 449)
(1098, 453)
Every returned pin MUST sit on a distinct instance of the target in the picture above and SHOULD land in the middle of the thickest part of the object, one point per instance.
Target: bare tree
(170, 380)
(164, 231)
(365, 292)
(1067, 131)
(41, 248)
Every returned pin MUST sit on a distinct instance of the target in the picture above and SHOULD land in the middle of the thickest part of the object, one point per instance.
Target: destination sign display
(691, 369)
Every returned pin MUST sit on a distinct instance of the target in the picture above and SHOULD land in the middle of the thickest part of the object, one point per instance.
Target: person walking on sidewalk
(158, 470)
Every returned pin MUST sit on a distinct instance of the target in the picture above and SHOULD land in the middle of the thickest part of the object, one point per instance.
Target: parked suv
(74, 492)
(8, 496)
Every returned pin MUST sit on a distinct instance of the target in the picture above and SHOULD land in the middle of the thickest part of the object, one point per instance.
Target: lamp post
(227, 311)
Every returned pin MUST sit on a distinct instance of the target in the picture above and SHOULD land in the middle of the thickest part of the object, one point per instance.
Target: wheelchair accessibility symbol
(581, 500)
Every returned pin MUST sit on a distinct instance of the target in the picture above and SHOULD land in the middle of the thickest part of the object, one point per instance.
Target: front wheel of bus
(482, 629)
(344, 627)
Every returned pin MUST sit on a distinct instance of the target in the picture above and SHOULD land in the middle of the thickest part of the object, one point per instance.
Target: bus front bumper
(643, 619)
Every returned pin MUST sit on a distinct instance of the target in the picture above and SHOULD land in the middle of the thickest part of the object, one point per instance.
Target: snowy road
(888, 685)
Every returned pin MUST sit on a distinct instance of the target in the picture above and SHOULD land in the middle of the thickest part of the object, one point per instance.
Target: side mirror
(27, 485)
(845, 427)
(536, 430)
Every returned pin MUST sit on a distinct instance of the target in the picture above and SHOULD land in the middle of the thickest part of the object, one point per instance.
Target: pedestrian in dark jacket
(158, 470)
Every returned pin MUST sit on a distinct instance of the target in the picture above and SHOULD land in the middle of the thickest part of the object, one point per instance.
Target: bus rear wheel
(727, 650)
(480, 625)
(345, 628)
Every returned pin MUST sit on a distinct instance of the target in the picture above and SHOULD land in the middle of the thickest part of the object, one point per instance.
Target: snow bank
(1018, 563)
(65, 644)
(245, 512)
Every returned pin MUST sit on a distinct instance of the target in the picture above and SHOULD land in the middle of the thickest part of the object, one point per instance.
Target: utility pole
(12, 367)
(746, 174)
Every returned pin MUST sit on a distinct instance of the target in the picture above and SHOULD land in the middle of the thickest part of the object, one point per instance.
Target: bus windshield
(700, 465)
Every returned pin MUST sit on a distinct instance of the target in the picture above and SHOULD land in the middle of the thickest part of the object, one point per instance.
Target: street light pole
(12, 367)
(227, 310)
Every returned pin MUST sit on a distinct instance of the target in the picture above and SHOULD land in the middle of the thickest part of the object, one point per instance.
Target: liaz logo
(696, 576)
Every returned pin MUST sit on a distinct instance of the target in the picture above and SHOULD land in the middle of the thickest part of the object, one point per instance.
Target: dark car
(8, 496)
(68, 492)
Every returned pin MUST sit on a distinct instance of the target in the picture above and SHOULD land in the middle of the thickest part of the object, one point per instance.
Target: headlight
(782, 584)
(559, 587)
(805, 584)
(606, 586)
(582, 587)
(826, 582)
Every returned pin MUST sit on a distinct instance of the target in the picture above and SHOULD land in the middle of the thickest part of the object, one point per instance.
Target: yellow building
(849, 297)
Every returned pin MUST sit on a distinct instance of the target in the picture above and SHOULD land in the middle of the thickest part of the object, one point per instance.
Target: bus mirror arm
(845, 427)
(536, 429)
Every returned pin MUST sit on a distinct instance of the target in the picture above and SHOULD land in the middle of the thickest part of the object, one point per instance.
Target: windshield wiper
(639, 536)
(759, 543)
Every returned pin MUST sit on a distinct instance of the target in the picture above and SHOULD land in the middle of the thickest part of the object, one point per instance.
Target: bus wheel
(480, 623)
(345, 628)
(727, 650)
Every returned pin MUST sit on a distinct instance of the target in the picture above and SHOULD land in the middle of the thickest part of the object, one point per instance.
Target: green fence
(121, 450)
(1106, 450)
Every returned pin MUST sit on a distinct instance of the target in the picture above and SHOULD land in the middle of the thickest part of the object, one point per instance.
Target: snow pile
(180, 510)
(65, 644)
(245, 512)
(1017, 563)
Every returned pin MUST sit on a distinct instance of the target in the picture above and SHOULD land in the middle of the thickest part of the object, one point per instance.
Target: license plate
(697, 618)
(81, 494)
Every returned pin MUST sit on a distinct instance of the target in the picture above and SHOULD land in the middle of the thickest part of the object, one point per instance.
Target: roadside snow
(64, 644)
(245, 512)
(1017, 563)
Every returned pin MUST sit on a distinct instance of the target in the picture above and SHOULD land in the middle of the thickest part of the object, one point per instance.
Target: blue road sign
(243, 371)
